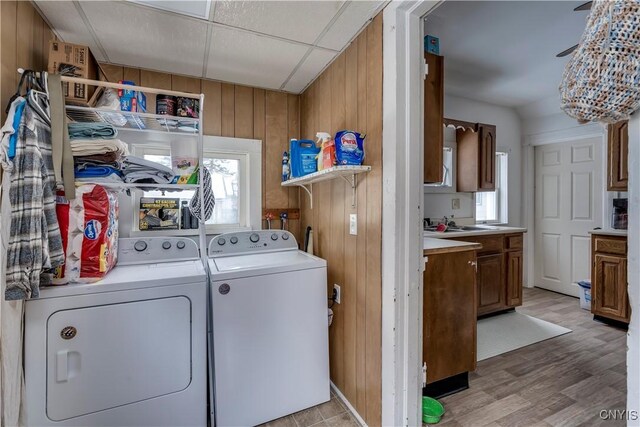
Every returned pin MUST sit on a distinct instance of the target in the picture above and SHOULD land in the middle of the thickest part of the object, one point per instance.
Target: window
(230, 162)
(492, 207)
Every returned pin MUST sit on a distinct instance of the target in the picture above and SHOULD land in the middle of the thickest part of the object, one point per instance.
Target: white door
(569, 193)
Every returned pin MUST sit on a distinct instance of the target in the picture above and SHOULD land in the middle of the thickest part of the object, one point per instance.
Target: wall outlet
(353, 224)
(336, 292)
(455, 204)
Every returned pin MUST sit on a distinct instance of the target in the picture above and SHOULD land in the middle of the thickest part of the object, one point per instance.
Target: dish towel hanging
(209, 199)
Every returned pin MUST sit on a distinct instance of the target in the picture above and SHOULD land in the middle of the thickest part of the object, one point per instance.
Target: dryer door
(107, 356)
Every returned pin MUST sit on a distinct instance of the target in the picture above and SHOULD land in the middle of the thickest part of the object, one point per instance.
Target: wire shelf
(124, 120)
(138, 186)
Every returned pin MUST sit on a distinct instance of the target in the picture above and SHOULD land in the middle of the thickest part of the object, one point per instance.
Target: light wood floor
(564, 381)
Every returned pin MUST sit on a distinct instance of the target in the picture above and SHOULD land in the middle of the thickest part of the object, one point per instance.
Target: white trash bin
(585, 294)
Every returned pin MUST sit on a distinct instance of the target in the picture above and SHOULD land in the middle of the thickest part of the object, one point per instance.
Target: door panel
(568, 204)
(514, 278)
(610, 298)
(617, 164)
(490, 278)
(487, 170)
(119, 354)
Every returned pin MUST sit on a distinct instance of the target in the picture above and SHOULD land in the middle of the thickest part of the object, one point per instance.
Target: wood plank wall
(241, 112)
(24, 42)
(348, 95)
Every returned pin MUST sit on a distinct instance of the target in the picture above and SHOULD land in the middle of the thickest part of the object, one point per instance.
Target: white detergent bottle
(322, 139)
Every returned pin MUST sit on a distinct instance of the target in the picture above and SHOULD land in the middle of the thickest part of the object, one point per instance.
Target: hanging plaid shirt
(35, 244)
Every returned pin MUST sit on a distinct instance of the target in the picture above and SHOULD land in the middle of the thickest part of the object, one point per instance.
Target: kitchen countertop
(434, 246)
(622, 233)
(486, 230)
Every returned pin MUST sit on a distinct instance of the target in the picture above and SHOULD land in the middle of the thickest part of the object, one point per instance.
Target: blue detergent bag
(349, 148)
(303, 154)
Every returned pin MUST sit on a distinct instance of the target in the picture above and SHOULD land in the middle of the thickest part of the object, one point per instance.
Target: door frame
(402, 211)
(529, 183)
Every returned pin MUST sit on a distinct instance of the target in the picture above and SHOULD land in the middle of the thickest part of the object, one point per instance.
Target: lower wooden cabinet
(449, 319)
(491, 292)
(515, 276)
(609, 298)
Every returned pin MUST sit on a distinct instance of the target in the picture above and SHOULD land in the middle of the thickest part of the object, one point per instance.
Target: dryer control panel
(251, 242)
(156, 249)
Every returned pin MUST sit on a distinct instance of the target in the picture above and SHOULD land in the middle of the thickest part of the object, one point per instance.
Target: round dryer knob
(285, 236)
(254, 238)
(166, 244)
(180, 244)
(221, 241)
(274, 236)
(140, 246)
(233, 240)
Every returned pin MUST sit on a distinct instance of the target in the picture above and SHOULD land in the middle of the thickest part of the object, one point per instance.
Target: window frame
(501, 191)
(249, 154)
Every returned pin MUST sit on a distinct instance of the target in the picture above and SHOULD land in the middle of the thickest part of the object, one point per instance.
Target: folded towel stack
(139, 170)
(80, 130)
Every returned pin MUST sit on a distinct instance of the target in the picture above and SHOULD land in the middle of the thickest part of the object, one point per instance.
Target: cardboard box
(75, 61)
(159, 214)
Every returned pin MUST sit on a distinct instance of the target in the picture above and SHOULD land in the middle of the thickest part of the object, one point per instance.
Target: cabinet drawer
(514, 241)
(490, 244)
(610, 245)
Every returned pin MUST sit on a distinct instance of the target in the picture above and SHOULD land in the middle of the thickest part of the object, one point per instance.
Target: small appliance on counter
(619, 214)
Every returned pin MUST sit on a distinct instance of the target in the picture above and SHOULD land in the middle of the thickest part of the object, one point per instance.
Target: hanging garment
(35, 244)
(209, 199)
(10, 129)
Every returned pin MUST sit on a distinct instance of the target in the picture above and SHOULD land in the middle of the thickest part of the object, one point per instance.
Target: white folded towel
(87, 147)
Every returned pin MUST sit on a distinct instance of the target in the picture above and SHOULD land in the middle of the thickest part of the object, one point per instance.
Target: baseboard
(349, 406)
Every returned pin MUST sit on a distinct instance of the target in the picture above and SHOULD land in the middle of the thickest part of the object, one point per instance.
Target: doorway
(568, 204)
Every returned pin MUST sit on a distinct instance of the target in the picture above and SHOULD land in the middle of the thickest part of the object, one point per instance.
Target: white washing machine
(270, 327)
(129, 350)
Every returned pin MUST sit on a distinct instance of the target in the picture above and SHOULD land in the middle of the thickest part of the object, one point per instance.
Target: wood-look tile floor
(329, 414)
(564, 381)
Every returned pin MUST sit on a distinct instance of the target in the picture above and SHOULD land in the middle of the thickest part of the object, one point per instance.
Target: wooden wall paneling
(243, 112)
(228, 110)
(111, 73)
(374, 221)
(276, 196)
(350, 242)
(132, 75)
(212, 120)
(361, 240)
(157, 80)
(259, 108)
(24, 35)
(293, 131)
(186, 84)
(40, 50)
(9, 73)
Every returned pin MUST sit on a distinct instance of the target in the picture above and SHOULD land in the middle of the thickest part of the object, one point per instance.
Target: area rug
(511, 331)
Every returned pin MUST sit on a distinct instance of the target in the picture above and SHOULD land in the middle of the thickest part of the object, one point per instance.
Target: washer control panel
(156, 249)
(251, 241)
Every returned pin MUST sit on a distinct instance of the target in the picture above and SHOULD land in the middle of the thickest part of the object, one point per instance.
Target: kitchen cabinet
(476, 158)
(609, 298)
(450, 312)
(433, 118)
(500, 271)
(617, 159)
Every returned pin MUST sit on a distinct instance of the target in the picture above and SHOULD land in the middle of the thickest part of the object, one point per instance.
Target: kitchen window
(232, 180)
(492, 206)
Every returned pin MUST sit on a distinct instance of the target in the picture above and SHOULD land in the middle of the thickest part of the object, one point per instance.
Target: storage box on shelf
(139, 129)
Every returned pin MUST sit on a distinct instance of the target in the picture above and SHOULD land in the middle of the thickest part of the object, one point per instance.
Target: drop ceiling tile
(356, 14)
(241, 57)
(146, 38)
(310, 68)
(67, 22)
(294, 20)
(195, 8)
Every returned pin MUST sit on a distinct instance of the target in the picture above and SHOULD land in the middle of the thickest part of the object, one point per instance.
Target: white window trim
(249, 153)
(502, 185)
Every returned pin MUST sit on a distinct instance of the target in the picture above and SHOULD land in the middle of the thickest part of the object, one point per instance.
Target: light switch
(455, 204)
(353, 224)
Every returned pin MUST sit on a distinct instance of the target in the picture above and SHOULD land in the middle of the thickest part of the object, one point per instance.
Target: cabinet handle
(474, 264)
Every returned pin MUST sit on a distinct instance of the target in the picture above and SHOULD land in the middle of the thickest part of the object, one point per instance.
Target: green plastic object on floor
(432, 410)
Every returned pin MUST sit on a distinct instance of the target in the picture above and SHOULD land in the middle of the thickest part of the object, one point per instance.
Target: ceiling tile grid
(281, 45)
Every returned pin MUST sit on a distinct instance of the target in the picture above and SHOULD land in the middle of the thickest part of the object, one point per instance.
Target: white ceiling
(503, 52)
(271, 44)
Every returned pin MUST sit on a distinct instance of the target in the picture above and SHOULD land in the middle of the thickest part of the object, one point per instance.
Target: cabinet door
(433, 118)
(609, 288)
(487, 160)
(618, 147)
(491, 292)
(449, 320)
(514, 278)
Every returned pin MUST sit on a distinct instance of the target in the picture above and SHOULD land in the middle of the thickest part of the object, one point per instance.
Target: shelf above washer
(344, 172)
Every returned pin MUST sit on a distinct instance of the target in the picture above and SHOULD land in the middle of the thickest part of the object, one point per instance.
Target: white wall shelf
(348, 173)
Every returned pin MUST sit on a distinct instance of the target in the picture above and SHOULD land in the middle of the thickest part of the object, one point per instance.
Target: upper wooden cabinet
(476, 158)
(618, 147)
(433, 118)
